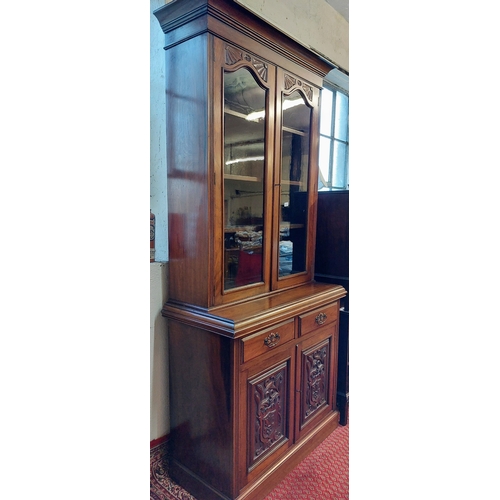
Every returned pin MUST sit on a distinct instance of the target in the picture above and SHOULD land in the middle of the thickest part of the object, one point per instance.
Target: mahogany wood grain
(267, 340)
(189, 216)
(225, 17)
(314, 320)
(244, 318)
(240, 356)
(202, 404)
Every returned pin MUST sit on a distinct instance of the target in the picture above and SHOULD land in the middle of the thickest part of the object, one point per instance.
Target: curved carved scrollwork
(269, 395)
(315, 380)
(234, 56)
(291, 83)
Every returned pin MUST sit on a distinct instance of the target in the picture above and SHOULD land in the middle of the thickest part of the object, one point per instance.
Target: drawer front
(267, 340)
(318, 318)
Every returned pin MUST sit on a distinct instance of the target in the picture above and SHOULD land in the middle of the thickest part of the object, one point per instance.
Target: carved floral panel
(268, 412)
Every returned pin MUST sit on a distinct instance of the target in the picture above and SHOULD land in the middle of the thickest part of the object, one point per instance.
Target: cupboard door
(316, 378)
(295, 179)
(266, 410)
(243, 165)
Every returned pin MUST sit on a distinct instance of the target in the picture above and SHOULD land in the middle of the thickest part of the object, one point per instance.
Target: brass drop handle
(272, 339)
(320, 318)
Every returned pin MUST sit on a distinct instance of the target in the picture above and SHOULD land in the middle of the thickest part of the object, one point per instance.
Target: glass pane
(341, 116)
(339, 164)
(244, 153)
(294, 179)
(324, 162)
(326, 112)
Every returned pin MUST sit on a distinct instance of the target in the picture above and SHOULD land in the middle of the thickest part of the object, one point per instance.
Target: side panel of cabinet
(316, 378)
(266, 406)
(188, 202)
(202, 402)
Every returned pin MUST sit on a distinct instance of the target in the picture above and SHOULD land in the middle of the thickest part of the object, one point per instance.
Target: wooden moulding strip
(240, 319)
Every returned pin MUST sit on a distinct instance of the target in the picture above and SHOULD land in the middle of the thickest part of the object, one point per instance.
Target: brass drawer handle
(320, 318)
(272, 339)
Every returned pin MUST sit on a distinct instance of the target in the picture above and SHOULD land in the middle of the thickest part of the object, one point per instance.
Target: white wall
(316, 25)
(158, 165)
(159, 412)
(313, 23)
(159, 417)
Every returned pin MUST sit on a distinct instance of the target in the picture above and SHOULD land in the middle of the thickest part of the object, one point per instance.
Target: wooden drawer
(318, 318)
(267, 340)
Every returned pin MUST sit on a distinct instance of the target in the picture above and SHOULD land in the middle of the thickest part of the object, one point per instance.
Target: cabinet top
(240, 319)
(183, 19)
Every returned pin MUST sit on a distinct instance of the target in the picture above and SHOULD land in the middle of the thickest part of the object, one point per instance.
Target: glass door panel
(244, 160)
(296, 123)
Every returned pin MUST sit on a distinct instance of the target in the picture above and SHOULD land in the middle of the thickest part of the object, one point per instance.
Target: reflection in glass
(244, 153)
(294, 180)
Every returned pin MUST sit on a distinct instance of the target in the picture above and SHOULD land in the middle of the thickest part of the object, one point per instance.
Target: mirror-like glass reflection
(294, 180)
(244, 153)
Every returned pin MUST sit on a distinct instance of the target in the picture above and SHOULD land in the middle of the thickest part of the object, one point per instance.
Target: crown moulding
(184, 19)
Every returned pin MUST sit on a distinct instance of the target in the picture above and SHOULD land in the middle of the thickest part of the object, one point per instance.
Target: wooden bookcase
(253, 339)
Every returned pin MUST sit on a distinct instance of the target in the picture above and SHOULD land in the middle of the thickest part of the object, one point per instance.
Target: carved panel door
(316, 378)
(266, 407)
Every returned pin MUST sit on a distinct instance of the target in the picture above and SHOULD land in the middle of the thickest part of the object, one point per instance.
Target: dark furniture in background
(332, 266)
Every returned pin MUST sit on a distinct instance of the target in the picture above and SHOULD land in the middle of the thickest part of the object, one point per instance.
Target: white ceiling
(341, 6)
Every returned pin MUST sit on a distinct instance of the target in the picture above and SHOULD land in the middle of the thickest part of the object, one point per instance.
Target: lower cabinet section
(247, 409)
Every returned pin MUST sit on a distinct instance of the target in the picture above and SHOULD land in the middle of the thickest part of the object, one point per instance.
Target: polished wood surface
(181, 20)
(267, 340)
(244, 318)
(229, 38)
(252, 357)
(226, 391)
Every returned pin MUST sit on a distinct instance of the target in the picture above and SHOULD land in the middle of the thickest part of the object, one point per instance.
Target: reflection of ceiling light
(239, 160)
(257, 115)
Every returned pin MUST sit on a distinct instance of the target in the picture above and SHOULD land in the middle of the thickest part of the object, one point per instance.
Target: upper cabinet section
(242, 154)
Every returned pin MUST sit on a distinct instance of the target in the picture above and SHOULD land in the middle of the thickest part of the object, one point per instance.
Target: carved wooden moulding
(234, 56)
(292, 83)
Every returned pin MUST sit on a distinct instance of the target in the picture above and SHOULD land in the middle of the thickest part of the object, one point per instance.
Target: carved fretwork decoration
(269, 394)
(294, 83)
(261, 68)
(315, 381)
(290, 81)
(234, 55)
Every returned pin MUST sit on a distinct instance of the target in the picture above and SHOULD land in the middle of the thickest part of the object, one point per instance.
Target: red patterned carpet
(323, 475)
